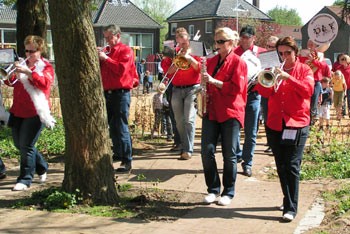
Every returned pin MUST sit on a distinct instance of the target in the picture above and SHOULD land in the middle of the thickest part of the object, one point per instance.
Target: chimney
(256, 3)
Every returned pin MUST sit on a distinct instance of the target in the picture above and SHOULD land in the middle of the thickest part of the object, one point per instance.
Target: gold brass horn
(267, 78)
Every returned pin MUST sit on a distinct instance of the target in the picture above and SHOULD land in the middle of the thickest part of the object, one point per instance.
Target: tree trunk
(88, 161)
(31, 20)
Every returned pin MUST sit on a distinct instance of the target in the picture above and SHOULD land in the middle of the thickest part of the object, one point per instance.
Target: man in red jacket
(118, 72)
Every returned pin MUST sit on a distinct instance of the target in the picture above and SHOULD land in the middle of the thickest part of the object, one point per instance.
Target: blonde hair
(181, 33)
(338, 73)
(37, 41)
(228, 34)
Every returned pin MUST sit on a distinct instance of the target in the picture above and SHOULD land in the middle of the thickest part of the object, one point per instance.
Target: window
(191, 30)
(173, 28)
(208, 26)
(141, 43)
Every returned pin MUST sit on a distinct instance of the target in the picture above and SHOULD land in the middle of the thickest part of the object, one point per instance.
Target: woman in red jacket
(226, 100)
(288, 120)
(30, 110)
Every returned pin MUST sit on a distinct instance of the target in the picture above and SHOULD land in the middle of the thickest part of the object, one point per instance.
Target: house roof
(293, 31)
(199, 9)
(7, 14)
(125, 15)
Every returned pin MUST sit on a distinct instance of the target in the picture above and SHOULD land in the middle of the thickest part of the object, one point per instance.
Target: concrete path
(253, 210)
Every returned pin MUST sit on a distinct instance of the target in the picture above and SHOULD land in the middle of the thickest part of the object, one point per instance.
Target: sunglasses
(270, 47)
(220, 42)
(285, 53)
(31, 51)
(342, 59)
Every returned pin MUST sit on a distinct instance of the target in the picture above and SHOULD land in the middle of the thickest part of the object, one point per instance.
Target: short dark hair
(247, 30)
(288, 41)
(114, 29)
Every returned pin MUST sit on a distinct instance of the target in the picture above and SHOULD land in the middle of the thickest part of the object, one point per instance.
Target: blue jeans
(250, 128)
(118, 105)
(25, 133)
(229, 131)
(348, 99)
(314, 99)
(288, 160)
(182, 102)
(2, 167)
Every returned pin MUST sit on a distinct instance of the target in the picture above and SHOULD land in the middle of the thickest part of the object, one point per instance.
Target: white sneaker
(210, 198)
(43, 177)
(288, 217)
(20, 187)
(225, 200)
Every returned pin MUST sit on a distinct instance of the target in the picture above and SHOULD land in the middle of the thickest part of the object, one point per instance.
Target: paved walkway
(253, 210)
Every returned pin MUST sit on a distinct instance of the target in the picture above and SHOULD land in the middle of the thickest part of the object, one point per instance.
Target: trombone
(7, 72)
(180, 62)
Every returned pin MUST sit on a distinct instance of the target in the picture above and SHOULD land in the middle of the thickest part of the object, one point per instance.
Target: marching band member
(247, 39)
(118, 73)
(26, 121)
(288, 120)
(227, 93)
(185, 85)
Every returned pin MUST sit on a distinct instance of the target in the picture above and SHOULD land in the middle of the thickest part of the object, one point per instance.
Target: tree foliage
(285, 16)
(159, 11)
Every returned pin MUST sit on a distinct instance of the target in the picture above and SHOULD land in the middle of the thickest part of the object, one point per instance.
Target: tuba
(253, 65)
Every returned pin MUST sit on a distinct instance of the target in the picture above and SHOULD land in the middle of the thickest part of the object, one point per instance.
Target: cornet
(6, 73)
(270, 78)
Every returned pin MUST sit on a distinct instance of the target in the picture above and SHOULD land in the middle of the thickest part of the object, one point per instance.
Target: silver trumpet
(7, 72)
(270, 78)
(106, 49)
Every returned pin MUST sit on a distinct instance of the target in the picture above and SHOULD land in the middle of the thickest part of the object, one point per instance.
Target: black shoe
(124, 167)
(2, 175)
(247, 171)
(116, 158)
(268, 150)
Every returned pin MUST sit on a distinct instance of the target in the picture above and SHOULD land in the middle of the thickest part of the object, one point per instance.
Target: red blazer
(229, 101)
(346, 73)
(119, 70)
(291, 102)
(43, 77)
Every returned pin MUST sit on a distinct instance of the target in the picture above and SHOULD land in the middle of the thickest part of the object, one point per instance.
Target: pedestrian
(146, 82)
(226, 79)
(326, 102)
(288, 121)
(185, 84)
(157, 104)
(118, 72)
(246, 42)
(339, 89)
(344, 67)
(30, 110)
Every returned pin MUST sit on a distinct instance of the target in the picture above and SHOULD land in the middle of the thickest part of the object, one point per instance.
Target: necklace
(288, 69)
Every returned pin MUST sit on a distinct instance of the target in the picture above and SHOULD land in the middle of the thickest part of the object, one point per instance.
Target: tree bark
(88, 161)
(31, 20)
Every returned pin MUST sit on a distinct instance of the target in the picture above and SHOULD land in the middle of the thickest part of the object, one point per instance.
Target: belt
(184, 86)
(117, 91)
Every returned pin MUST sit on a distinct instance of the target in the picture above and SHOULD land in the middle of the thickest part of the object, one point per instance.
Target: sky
(305, 8)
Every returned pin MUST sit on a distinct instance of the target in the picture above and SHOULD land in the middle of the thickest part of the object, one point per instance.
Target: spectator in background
(141, 70)
(326, 102)
(157, 103)
(344, 67)
(160, 69)
(339, 89)
(146, 82)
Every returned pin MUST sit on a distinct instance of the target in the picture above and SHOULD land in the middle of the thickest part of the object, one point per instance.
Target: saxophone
(202, 94)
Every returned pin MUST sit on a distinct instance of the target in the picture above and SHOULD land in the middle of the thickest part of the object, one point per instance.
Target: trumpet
(270, 78)
(180, 62)
(106, 49)
(7, 72)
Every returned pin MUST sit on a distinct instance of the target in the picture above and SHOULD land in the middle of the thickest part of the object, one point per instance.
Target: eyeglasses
(285, 53)
(342, 59)
(31, 51)
(220, 42)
